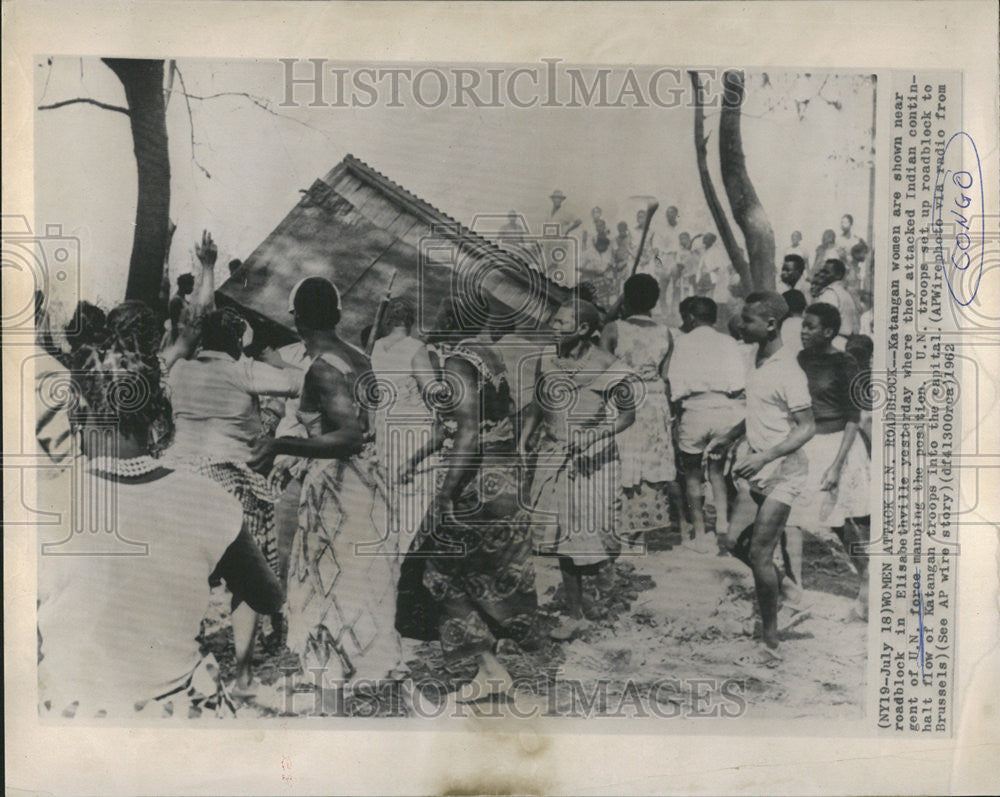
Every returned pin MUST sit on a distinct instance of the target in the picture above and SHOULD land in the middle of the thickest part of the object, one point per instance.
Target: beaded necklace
(130, 468)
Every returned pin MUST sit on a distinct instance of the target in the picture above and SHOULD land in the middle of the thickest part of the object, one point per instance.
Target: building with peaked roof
(357, 228)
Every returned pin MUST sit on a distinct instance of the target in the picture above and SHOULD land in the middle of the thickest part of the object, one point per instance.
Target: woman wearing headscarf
(118, 633)
(469, 578)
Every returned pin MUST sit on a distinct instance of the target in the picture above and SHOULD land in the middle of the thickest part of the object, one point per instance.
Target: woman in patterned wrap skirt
(216, 406)
(341, 584)
(469, 577)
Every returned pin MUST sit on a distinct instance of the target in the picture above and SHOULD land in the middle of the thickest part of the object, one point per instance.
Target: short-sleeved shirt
(715, 263)
(216, 409)
(799, 250)
(830, 377)
(791, 333)
(836, 294)
(705, 366)
(776, 389)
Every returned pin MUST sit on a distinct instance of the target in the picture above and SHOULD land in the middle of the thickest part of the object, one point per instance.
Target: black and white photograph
(409, 399)
(500, 398)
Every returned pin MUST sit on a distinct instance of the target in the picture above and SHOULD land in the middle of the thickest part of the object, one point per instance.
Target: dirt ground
(662, 621)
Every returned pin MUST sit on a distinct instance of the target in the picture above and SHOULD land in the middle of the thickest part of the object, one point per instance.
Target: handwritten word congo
(958, 192)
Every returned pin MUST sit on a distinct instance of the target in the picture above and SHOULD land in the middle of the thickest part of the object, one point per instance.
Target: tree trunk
(743, 200)
(708, 188)
(143, 82)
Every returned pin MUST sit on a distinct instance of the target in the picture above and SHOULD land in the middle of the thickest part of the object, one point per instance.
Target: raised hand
(206, 251)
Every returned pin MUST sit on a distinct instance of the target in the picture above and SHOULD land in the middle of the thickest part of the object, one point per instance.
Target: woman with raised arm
(341, 584)
(216, 399)
(118, 633)
(215, 394)
(469, 577)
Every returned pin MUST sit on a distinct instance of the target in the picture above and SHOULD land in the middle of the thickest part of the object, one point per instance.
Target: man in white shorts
(708, 377)
(779, 421)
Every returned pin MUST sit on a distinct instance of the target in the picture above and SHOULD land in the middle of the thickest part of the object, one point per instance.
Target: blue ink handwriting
(957, 192)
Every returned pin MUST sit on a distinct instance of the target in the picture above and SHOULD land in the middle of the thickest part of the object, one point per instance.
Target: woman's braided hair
(121, 380)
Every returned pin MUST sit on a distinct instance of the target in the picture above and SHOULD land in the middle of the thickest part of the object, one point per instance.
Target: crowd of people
(687, 263)
(349, 497)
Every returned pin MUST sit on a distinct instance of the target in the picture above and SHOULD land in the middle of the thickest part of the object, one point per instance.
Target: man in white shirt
(715, 267)
(791, 327)
(669, 245)
(866, 325)
(829, 288)
(846, 240)
(562, 215)
(649, 258)
(708, 377)
(853, 250)
(798, 249)
(669, 242)
(779, 421)
(687, 268)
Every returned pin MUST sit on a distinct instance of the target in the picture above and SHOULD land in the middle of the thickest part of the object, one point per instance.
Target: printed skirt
(469, 577)
(341, 579)
(256, 493)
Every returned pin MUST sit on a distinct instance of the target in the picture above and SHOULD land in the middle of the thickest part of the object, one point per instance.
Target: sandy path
(676, 633)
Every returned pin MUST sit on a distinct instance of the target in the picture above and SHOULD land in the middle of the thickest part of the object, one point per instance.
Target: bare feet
(789, 617)
(860, 608)
(243, 689)
(244, 678)
(491, 680)
(762, 657)
(569, 629)
(791, 593)
(701, 544)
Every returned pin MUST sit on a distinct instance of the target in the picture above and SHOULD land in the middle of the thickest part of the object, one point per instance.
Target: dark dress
(470, 580)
